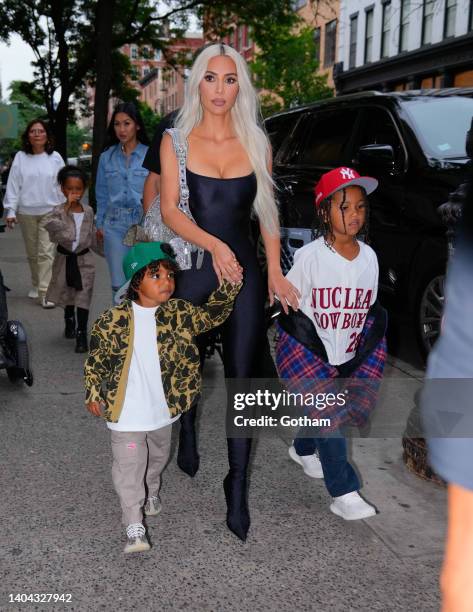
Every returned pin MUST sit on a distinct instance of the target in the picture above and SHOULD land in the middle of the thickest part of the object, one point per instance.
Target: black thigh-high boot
(235, 486)
(187, 455)
(81, 333)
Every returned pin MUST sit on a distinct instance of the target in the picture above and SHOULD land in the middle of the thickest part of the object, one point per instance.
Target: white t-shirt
(78, 218)
(145, 407)
(32, 187)
(336, 294)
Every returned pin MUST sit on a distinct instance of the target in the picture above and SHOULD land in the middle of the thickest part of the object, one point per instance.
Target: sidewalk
(61, 529)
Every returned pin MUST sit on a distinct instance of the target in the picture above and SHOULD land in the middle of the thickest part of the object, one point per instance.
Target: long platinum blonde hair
(245, 115)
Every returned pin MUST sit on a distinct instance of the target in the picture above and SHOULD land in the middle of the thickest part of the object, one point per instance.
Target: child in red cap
(338, 332)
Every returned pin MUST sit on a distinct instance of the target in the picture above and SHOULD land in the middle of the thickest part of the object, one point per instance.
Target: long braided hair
(323, 224)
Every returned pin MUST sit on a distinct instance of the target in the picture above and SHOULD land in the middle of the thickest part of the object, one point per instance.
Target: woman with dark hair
(32, 192)
(119, 185)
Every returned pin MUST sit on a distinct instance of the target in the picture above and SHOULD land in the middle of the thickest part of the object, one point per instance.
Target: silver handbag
(154, 227)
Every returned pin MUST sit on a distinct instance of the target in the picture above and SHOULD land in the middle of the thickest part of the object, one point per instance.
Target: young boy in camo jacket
(143, 371)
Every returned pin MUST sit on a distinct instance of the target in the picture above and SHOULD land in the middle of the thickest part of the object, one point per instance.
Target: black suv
(414, 144)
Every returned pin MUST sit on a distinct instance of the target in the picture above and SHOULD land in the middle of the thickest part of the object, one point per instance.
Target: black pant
(3, 310)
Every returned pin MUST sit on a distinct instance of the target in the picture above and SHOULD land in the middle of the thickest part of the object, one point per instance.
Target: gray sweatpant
(138, 455)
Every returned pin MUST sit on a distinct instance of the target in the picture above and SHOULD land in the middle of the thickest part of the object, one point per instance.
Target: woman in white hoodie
(32, 192)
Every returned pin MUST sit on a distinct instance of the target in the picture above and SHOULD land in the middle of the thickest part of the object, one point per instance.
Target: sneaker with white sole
(137, 540)
(352, 507)
(45, 303)
(310, 463)
(152, 506)
(33, 293)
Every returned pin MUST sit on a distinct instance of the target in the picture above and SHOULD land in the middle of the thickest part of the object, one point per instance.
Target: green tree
(76, 137)
(29, 106)
(74, 39)
(285, 67)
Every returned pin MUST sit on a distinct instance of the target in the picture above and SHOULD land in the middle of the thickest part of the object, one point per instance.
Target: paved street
(61, 530)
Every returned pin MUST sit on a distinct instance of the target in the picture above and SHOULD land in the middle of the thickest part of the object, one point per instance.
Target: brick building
(240, 39)
(323, 17)
(162, 85)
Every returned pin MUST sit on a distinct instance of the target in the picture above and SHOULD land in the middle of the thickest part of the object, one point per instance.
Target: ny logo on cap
(133, 265)
(347, 173)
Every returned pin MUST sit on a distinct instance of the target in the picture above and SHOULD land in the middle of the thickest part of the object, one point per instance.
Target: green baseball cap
(142, 254)
(139, 256)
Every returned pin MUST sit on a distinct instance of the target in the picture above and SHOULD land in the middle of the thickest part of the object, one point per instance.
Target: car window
(441, 124)
(325, 139)
(377, 127)
(280, 128)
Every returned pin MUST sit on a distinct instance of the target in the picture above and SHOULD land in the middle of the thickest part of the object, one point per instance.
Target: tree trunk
(60, 128)
(61, 113)
(103, 28)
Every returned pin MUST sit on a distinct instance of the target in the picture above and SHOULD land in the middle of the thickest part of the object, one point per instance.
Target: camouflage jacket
(177, 322)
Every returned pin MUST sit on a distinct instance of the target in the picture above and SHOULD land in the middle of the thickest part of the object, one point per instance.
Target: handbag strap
(180, 147)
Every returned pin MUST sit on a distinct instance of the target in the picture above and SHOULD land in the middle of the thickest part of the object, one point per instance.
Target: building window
(330, 43)
(317, 44)
(298, 4)
(145, 52)
(134, 52)
(369, 35)
(404, 25)
(427, 20)
(240, 38)
(386, 33)
(353, 37)
(157, 55)
(450, 16)
(249, 40)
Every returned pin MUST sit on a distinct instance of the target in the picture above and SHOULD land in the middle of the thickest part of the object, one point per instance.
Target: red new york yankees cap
(342, 177)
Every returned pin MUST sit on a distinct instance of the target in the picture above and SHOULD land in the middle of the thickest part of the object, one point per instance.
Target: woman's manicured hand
(225, 263)
(280, 287)
(99, 234)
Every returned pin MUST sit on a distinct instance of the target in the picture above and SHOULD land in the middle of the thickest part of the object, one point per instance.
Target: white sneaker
(33, 293)
(310, 463)
(136, 539)
(352, 507)
(152, 506)
(46, 304)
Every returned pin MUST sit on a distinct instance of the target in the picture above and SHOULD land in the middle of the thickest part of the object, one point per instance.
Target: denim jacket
(119, 186)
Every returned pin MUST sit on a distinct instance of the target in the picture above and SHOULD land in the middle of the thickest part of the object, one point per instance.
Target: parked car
(414, 143)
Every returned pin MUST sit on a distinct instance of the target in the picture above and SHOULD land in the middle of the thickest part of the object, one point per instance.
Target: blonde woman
(229, 178)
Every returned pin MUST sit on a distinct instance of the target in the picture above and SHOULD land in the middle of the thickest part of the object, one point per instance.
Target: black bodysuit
(222, 207)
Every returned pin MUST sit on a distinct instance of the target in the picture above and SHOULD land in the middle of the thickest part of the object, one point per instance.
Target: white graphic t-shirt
(336, 294)
(145, 407)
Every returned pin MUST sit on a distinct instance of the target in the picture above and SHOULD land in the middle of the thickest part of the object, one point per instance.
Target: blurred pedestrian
(152, 161)
(447, 407)
(337, 333)
(71, 226)
(119, 185)
(143, 372)
(32, 192)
